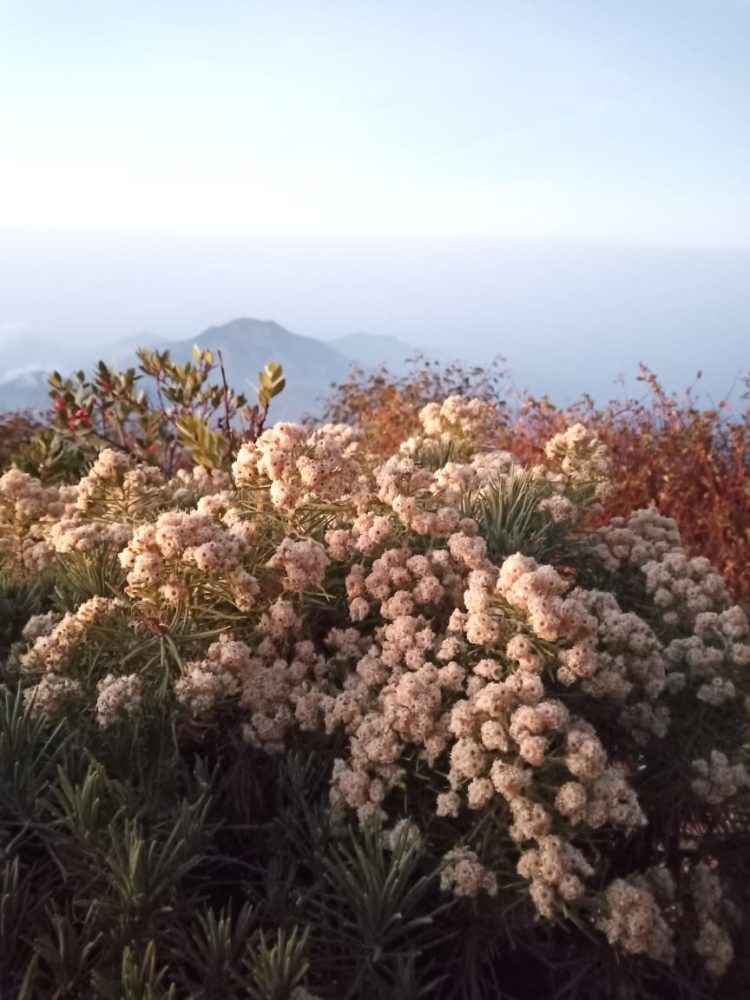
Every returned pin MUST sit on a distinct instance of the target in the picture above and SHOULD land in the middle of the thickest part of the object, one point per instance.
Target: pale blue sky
(563, 181)
(623, 121)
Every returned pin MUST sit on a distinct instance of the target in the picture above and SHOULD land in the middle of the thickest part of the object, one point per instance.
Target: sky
(552, 119)
(539, 170)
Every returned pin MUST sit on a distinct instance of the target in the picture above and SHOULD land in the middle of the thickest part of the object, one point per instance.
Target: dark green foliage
(18, 602)
(136, 867)
(164, 413)
(510, 518)
(29, 751)
(274, 969)
(433, 455)
(82, 575)
(139, 865)
(139, 978)
(217, 947)
(377, 910)
(54, 459)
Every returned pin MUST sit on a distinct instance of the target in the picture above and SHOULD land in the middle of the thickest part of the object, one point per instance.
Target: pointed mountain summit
(246, 345)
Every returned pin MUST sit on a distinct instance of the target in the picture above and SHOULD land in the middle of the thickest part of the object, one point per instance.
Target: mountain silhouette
(310, 365)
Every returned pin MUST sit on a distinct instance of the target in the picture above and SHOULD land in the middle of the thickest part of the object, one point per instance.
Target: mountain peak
(248, 326)
(246, 345)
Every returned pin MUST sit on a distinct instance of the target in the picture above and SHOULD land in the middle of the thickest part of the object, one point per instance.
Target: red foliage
(16, 431)
(385, 407)
(692, 463)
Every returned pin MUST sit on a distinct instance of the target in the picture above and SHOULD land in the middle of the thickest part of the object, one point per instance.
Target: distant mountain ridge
(372, 350)
(310, 365)
(24, 391)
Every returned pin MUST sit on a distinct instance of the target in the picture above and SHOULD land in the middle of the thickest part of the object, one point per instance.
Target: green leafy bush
(166, 414)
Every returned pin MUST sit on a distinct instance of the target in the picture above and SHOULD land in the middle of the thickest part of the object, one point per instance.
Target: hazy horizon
(569, 318)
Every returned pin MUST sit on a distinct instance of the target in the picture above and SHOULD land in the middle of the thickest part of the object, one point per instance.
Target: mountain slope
(372, 350)
(310, 365)
(247, 344)
(24, 391)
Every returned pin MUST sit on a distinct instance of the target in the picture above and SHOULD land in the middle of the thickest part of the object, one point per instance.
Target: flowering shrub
(692, 462)
(385, 408)
(529, 718)
(689, 461)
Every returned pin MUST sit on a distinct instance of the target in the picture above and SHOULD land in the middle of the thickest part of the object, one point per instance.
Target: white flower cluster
(273, 689)
(52, 695)
(463, 873)
(580, 457)
(684, 588)
(303, 562)
(456, 479)
(645, 536)
(27, 508)
(115, 476)
(39, 625)
(638, 915)
(554, 869)
(635, 921)
(474, 420)
(299, 467)
(188, 485)
(717, 780)
(72, 534)
(54, 647)
(713, 943)
(183, 553)
(118, 697)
